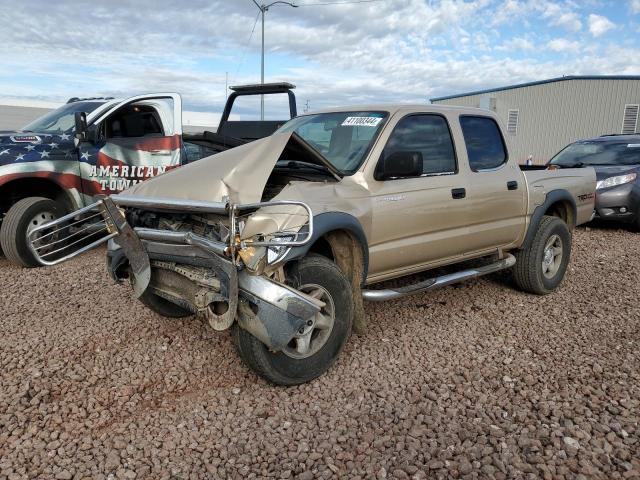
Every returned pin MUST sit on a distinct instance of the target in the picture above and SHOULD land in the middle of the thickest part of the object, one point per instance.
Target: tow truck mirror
(81, 126)
(398, 165)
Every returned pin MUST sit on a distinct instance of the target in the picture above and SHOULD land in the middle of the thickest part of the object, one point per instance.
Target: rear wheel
(24, 216)
(312, 352)
(540, 268)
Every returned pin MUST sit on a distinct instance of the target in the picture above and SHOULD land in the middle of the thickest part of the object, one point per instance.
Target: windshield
(61, 119)
(598, 153)
(343, 138)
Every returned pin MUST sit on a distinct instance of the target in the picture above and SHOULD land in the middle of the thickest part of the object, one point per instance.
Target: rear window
(485, 146)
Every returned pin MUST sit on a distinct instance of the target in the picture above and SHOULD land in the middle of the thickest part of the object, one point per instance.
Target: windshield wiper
(297, 164)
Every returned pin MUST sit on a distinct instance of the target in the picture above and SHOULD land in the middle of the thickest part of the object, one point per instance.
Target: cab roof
(393, 108)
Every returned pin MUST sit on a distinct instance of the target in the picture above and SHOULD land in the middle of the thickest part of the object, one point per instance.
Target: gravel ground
(472, 381)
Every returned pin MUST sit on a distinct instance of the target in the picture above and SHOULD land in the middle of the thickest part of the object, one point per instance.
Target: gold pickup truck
(282, 239)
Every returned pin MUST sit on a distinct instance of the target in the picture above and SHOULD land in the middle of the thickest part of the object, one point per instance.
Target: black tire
(162, 306)
(278, 367)
(529, 271)
(13, 234)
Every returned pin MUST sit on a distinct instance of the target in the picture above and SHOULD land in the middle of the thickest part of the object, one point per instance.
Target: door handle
(160, 152)
(512, 185)
(458, 193)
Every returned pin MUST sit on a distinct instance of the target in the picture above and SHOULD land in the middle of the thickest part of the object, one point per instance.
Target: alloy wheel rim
(552, 256)
(315, 335)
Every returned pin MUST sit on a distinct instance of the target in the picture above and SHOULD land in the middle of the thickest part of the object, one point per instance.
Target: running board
(437, 282)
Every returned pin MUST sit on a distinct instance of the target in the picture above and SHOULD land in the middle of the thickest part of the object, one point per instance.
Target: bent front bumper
(274, 313)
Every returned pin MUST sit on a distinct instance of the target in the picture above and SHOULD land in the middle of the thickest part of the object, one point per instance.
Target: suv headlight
(615, 181)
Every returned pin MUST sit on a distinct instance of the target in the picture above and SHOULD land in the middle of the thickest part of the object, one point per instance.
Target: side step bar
(437, 282)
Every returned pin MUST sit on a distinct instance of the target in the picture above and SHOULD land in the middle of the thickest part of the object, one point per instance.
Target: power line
(348, 2)
(246, 48)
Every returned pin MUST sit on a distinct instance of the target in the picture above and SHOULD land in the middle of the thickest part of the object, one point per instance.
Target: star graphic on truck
(19, 157)
(4, 152)
(44, 154)
(30, 147)
(53, 145)
(64, 136)
(85, 156)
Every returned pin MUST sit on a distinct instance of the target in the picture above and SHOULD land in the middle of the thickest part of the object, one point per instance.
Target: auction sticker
(361, 121)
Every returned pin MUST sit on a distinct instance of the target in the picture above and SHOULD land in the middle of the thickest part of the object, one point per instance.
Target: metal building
(541, 118)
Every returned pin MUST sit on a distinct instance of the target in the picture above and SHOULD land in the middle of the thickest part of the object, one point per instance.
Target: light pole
(263, 8)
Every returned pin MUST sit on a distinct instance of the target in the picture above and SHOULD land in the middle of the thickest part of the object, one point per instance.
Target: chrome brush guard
(91, 226)
(71, 235)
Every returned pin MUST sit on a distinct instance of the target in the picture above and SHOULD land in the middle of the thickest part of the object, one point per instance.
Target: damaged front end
(195, 255)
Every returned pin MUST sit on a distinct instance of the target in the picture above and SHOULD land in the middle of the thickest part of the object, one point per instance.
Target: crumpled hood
(240, 174)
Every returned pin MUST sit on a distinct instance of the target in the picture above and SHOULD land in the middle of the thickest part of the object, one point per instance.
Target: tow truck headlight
(615, 181)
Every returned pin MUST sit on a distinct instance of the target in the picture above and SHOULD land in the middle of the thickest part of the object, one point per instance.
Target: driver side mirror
(81, 127)
(399, 165)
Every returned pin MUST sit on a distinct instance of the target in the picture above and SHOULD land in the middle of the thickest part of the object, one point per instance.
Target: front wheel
(22, 217)
(540, 268)
(311, 353)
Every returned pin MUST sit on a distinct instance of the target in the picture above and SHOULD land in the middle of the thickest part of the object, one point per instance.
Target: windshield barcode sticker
(361, 121)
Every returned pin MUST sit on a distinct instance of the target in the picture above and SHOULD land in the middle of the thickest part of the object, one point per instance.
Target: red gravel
(474, 381)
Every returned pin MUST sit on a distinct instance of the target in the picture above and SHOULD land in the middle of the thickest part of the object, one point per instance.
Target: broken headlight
(277, 253)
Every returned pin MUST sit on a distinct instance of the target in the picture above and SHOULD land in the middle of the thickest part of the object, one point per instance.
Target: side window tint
(428, 135)
(485, 147)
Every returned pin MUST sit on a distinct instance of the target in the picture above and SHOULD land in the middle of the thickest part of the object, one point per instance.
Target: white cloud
(634, 5)
(563, 45)
(562, 16)
(517, 44)
(599, 25)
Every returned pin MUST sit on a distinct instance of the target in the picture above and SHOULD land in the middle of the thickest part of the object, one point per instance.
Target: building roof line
(539, 82)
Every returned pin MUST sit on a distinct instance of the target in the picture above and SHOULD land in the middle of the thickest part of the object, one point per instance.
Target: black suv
(616, 160)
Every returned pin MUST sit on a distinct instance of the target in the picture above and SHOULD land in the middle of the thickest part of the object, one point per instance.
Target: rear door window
(485, 146)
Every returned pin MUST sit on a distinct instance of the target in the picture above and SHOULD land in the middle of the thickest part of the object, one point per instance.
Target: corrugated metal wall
(552, 115)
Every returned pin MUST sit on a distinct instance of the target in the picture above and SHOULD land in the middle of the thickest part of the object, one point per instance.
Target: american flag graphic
(88, 170)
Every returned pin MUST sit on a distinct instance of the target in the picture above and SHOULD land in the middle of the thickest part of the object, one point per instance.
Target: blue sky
(374, 51)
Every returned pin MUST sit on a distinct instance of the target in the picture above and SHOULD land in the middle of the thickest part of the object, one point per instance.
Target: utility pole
(263, 8)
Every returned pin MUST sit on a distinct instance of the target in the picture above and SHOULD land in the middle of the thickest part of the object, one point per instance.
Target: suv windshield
(598, 153)
(343, 138)
(61, 119)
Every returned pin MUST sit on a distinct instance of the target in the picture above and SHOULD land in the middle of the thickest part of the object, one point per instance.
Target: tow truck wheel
(22, 217)
(314, 351)
(540, 268)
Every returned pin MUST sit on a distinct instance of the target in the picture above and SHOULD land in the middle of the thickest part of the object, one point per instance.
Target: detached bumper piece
(272, 312)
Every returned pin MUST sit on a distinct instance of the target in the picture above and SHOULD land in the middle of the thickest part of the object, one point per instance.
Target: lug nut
(309, 322)
(301, 330)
